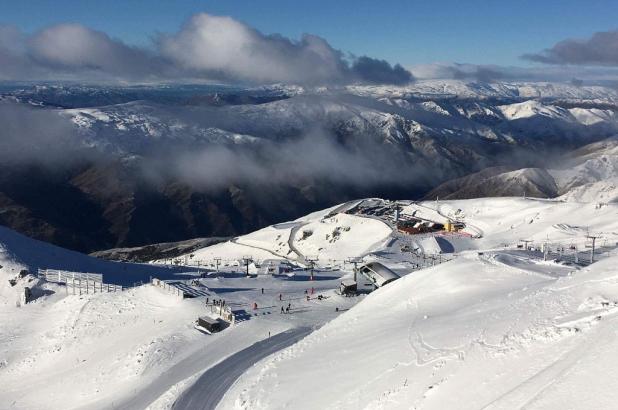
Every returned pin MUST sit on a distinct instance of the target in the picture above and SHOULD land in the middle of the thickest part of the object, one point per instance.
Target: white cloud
(489, 73)
(222, 46)
(207, 47)
(600, 49)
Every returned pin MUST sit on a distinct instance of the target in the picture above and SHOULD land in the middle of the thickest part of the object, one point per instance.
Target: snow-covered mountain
(481, 90)
(204, 159)
(586, 174)
(133, 126)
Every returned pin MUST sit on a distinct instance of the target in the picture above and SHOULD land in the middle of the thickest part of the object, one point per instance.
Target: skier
(281, 309)
(287, 309)
(262, 291)
(280, 296)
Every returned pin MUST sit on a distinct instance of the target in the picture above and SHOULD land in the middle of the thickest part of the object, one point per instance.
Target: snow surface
(18, 252)
(468, 89)
(487, 330)
(466, 334)
(494, 327)
(531, 108)
(341, 236)
(599, 191)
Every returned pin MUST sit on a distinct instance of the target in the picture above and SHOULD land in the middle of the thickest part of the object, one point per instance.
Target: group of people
(287, 309)
(217, 302)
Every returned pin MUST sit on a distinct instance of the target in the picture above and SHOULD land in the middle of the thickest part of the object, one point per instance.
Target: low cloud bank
(38, 137)
(316, 156)
(207, 47)
(42, 138)
(599, 50)
(600, 75)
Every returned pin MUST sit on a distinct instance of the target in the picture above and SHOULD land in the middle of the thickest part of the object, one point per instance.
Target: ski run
(503, 303)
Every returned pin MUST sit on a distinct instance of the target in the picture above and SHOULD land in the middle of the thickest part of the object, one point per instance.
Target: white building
(275, 267)
(378, 274)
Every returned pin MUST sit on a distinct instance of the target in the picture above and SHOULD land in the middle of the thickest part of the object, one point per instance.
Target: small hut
(348, 287)
(209, 325)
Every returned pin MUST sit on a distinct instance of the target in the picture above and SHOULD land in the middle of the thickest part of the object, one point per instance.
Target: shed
(209, 324)
(378, 274)
(348, 287)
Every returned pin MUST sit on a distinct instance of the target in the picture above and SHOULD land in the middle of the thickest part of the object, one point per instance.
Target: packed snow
(490, 329)
(468, 334)
(494, 325)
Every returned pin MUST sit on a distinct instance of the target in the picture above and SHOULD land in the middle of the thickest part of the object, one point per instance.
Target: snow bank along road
(209, 389)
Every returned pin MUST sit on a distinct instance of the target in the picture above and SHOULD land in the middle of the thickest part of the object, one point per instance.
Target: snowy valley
(204, 161)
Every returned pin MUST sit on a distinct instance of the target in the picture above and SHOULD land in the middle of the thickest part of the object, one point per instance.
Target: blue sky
(409, 32)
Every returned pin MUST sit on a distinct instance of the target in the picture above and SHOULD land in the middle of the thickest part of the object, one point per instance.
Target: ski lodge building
(378, 274)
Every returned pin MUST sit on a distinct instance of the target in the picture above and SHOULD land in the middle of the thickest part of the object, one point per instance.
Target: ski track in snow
(527, 392)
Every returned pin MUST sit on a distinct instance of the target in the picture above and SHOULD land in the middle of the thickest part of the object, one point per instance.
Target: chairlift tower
(311, 260)
(247, 260)
(217, 262)
(355, 262)
(593, 238)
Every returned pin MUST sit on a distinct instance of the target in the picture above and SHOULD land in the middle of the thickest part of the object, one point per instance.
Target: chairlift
(588, 244)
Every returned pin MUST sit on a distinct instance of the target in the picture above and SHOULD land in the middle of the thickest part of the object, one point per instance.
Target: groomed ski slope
(469, 334)
(487, 330)
(490, 329)
(330, 237)
(136, 349)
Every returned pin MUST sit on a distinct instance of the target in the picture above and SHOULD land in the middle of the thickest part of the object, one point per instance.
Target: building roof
(210, 320)
(379, 274)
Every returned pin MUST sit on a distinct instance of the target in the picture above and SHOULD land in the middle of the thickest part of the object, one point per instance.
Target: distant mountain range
(177, 162)
(589, 173)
